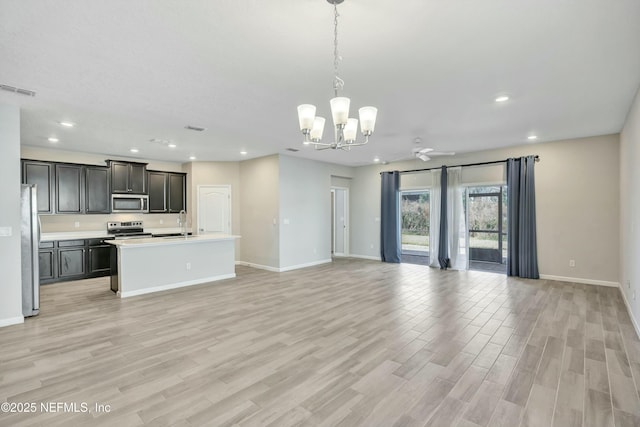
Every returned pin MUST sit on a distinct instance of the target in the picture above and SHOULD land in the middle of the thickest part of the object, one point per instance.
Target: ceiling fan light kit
(345, 128)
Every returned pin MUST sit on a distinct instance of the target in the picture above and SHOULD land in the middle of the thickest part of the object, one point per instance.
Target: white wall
(577, 197)
(259, 213)
(11, 283)
(630, 210)
(305, 212)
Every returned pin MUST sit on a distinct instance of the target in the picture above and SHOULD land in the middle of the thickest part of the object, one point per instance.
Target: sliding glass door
(487, 216)
(414, 212)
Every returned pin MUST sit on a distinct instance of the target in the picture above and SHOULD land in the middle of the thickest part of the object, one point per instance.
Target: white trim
(11, 321)
(175, 285)
(283, 269)
(308, 264)
(375, 258)
(580, 280)
(635, 324)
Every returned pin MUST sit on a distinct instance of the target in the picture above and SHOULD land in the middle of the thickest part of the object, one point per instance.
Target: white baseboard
(175, 285)
(258, 266)
(581, 280)
(634, 322)
(11, 321)
(374, 258)
(283, 269)
(308, 264)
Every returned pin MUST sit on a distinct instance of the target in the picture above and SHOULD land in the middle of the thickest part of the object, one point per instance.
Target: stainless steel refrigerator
(30, 231)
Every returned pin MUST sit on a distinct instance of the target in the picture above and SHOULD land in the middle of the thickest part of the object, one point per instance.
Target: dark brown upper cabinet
(177, 192)
(128, 177)
(167, 191)
(42, 174)
(98, 190)
(69, 190)
(157, 191)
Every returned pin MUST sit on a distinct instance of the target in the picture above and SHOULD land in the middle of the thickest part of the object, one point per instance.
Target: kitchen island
(142, 266)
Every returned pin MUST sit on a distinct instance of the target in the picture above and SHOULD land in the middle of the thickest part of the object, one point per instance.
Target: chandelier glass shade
(345, 128)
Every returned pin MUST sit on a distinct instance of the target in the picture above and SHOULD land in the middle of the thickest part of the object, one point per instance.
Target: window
(414, 212)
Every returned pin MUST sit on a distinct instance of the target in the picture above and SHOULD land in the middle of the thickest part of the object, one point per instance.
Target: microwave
(129, 203)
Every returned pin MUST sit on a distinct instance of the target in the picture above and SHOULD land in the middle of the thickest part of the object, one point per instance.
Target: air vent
(17, 90)
(196, 128)
(293, 150)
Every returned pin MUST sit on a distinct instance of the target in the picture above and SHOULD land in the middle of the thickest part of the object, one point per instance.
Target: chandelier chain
(338, 83)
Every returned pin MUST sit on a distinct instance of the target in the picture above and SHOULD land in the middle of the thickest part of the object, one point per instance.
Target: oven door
(129, 203)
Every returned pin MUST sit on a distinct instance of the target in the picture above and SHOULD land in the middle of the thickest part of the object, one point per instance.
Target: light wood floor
(352, 343)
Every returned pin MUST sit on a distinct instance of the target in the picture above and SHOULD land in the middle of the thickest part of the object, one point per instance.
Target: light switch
(285, 221)
(6, 231)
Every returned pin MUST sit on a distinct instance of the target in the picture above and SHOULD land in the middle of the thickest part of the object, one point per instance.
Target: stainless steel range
(121, 230)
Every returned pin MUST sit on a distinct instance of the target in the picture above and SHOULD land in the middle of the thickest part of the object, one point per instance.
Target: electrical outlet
(372, 246)
(572, 263)
(188, 266)
(76, 224)
(161, 221)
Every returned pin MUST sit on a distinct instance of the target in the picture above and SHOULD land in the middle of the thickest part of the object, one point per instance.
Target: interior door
(340, 222)
(214, 209)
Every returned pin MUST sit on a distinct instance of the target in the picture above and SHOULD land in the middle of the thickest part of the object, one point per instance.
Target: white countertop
(175, 240)
(71, 235)
(97, 234)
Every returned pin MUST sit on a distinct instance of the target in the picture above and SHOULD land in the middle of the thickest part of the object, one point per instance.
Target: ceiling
(128, 72)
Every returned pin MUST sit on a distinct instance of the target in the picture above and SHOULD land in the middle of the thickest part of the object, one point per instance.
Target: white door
(340, 222)
(214, 209)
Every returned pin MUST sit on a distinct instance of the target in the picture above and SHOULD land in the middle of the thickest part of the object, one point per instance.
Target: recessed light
(172, 145)
(67, 124)
(376, 159)
(53, 139)
(192, 157)
(502, 98)
(134, 150)
(244, 153)
(532, 137)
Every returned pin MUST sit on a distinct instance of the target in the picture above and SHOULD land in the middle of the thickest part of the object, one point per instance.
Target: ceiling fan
(425, 154)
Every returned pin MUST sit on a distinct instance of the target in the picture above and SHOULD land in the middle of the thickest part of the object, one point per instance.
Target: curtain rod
(536, 157)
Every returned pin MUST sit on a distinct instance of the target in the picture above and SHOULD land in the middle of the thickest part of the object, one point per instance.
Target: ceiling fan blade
(442, 153)
(423, 157)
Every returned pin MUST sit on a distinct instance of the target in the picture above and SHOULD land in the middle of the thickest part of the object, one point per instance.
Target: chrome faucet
(182, 220)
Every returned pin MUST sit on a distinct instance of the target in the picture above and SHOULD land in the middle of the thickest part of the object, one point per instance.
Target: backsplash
(60, 223)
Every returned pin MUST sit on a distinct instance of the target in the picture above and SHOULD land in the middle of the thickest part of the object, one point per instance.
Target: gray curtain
(390, 244)
(522, 257)
(443, 247)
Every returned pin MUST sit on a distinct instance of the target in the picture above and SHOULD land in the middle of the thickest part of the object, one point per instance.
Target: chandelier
(346, 129)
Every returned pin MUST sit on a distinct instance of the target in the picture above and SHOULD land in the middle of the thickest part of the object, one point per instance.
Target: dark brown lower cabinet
(47, 263)
(73, 260)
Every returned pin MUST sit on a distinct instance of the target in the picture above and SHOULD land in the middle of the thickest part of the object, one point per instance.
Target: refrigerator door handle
(39, 230)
